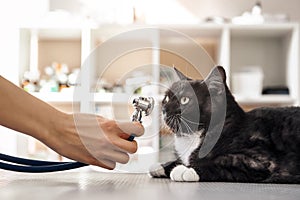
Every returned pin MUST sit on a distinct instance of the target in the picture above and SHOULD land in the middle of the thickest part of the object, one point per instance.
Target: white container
(248, 82)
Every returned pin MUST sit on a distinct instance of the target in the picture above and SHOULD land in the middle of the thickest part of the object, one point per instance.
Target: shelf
(194, 31)
(122, 98)
(263, 30)
(266, 100)
(54, 97)
(106, 98)
(98, 98)
(59, 34)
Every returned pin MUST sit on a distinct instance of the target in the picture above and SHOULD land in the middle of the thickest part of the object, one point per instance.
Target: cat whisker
(189, 121)
(171, 121)
(177, 121)
(189, 129)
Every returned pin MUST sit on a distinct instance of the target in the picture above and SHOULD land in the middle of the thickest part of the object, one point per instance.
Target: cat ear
(216, 80)
(180, 75)
(218, 72)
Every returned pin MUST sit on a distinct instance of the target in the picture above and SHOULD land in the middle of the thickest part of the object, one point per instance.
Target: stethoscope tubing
(35, 166)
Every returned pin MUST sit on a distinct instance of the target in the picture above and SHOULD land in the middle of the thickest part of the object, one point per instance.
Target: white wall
(231, 8)
(19, 10)
(205, 8)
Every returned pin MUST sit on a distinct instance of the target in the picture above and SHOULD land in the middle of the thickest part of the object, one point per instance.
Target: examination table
(88, 184)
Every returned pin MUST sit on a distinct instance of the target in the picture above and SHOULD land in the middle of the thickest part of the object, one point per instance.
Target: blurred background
(45, 45)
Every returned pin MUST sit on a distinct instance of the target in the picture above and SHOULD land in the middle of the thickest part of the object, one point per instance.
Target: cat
(259, 146)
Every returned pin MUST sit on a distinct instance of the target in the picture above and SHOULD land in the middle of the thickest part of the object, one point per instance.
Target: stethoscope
(11, 163)
(35, 166)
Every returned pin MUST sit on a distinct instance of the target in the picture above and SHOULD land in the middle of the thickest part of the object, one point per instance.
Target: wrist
(59, 123)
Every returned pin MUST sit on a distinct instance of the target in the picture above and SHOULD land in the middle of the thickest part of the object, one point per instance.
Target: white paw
(182, 173)
(157, 170)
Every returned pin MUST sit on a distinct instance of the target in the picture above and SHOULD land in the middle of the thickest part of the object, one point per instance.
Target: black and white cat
(262, 145)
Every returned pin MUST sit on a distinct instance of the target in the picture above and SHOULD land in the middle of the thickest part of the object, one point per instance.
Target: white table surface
(89, 185)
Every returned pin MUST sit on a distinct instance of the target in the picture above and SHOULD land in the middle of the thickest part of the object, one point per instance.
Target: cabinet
(276, 49)
(139, 54)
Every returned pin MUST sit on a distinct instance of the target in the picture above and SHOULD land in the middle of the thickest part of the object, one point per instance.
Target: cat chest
(186, 145)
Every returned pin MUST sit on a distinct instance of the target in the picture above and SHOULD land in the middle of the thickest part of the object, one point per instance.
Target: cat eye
(184, 100)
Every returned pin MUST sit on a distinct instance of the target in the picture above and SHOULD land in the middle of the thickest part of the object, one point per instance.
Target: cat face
(187, 105)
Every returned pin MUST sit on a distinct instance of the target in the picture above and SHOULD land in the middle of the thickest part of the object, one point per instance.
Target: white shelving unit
(274, 47)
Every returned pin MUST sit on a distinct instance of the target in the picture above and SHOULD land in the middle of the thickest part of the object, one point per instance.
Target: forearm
(25, 113)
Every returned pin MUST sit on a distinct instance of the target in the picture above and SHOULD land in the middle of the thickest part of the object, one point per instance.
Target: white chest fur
(186, 144)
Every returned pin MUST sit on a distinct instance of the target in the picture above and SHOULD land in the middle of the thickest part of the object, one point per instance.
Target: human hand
(85, 138)
(93, 139)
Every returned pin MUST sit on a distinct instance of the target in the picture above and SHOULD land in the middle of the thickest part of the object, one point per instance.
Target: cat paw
(157, 171)
(182, 173)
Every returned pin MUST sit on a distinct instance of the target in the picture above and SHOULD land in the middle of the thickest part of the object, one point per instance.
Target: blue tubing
(131, 137)
(25, 161)
(36, 166)
(41, 169)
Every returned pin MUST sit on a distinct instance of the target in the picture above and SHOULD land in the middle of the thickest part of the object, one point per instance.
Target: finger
(124, 144)
(117, 156)
(130, 128)
(92, 158)
(125, 136)
(105, 163)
